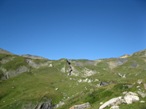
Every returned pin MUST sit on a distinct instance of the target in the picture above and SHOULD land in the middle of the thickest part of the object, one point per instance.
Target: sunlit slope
(26, 82)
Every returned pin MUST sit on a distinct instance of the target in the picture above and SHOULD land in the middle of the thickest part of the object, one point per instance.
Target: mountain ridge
(3, 51)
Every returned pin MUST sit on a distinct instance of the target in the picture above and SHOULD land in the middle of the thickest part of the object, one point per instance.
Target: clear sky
(73, 29)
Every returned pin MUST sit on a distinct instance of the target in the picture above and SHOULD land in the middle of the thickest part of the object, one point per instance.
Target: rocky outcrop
(59, 104)
(45, 105)
(128, 98)
(78, 67)
(70, 70)
(139, 81)
(142, 94)
(81, 106)
(122, 75)
(87, 72)
(115, 107)
(103, 83)
(116, 62)
(13, 73)
(85, 80)
(33, 64)
(112, 102)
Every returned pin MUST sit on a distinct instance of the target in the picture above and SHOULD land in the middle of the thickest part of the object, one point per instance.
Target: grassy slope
(95, 95)
(36, 85)
(49, 82)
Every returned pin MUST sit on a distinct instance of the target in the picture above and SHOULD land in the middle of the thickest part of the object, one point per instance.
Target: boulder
(130, 97)
(63, 69)
(140, 81)
(142, 94)
(50, 65)
(112, 102)
(59, 104)
(122, 75)
(81, 106)
(115, 107)
(45, 105)
(103, 83)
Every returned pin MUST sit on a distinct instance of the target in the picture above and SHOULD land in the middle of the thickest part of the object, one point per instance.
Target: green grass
(36, 85)
(29, 88)
(33, 88)
(2, 56)
(38, 61)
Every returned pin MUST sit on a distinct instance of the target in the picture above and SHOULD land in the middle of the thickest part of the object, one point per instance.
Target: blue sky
(74, 29)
